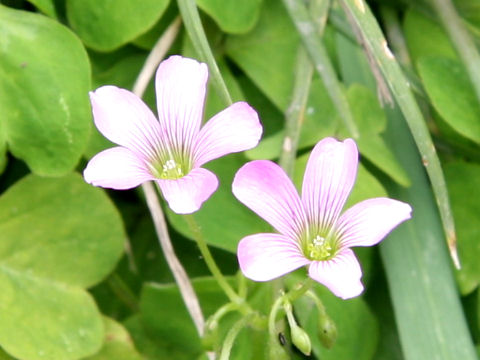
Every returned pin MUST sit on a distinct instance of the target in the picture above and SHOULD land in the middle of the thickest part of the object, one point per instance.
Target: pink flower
(172, 149)
(312, 230)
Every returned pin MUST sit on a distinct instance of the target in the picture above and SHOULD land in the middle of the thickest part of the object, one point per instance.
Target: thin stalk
(232, 335)
(123, 292)
(185, 287)
(318, 54)
(193, 25)
(157, 53)
(365, 24)
(210, 261)
(295, 293)
(461, 40)
(277, 306)
(295, 113)
(242, 285)
(291, 296)
(181, 278)
(221, 312)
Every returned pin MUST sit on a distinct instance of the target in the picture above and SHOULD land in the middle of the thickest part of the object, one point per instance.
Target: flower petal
(116, 168)
(328, 180)
(369, 221)
(180, 85)
(234, 129)
(187, 194)
(341, 274)
(264, 187)
(122, 117)
(264, 257)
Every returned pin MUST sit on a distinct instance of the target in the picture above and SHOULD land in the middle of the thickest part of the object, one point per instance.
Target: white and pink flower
(172, 149)
(312, 230)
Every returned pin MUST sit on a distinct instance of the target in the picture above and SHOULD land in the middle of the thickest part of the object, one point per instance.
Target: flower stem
(181, 278)
(295, 113)
(291, 296)
(193, 25)
(124, 293)
(231, 335)
(156, 55)
(318, 54)
(210, 261)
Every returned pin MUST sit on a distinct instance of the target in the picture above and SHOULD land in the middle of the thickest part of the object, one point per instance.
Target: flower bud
(327, 331)
(301, 339)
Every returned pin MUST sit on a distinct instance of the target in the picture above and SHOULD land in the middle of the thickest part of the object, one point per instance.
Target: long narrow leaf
(373, 39)
(426, 302)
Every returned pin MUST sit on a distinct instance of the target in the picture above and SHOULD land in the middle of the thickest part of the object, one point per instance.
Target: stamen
(319, 249)
(171, 170)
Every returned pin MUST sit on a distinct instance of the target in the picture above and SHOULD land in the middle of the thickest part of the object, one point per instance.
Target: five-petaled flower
(312, 230)
(172, 149)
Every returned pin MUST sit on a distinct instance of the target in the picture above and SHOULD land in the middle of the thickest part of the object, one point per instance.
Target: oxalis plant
(252, 179)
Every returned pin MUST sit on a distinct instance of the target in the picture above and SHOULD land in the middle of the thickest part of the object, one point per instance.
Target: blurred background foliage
(81, 272)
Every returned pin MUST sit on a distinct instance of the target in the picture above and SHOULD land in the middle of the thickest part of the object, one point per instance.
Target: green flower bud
(301, 339)
(327, 331)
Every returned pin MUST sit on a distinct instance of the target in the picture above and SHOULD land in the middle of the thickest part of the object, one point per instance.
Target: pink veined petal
(187, 194)
(264, 257)
(341, 274)
(116, 168)
(180, 85)
(328, 179)
(237, 128)
(264, 187)
(122, 117)
(369, 221)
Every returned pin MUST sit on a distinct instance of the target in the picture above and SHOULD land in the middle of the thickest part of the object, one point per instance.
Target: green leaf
(44, 82)
(44, 319)
(108, 24)
(223, 219)
(46, 6)
(352, 62)
(450, 90)
(57, 236)
(463, 180)
(257, 53)
(117, 344)
(425, 37)
(165, 320)
(232, 16)
(5, 356)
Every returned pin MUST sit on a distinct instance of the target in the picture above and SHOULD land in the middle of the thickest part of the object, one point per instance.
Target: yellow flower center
(168, 170)
(171, 170)
(318, 247)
